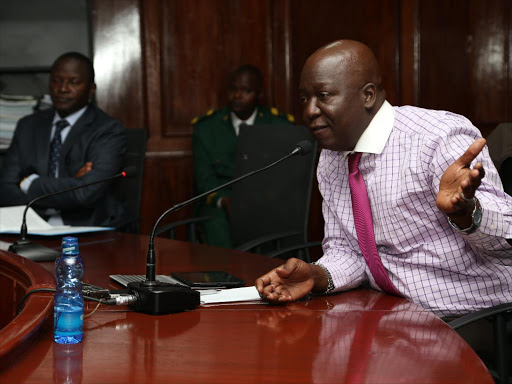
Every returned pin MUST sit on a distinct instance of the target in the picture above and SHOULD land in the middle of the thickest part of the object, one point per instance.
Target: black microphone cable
(111, 301)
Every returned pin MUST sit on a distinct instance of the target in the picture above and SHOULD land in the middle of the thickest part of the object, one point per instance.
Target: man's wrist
(26, 182)
(467, 223)
(327, 284)
(22, 180)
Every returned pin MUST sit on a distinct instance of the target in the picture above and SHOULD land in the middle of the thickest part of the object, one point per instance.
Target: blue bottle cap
(70, 245)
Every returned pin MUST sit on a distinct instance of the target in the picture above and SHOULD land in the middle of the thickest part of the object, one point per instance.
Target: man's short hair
(254, 71)
(80, 57)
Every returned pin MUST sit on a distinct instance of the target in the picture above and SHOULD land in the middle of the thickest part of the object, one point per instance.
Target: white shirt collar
(375, 136)
(71, 119)
(237, 122)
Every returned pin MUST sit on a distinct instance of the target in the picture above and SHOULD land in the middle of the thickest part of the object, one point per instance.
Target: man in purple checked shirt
(440, 228)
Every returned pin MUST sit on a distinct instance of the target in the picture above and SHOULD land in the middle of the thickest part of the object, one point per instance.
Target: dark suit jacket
(95, 137)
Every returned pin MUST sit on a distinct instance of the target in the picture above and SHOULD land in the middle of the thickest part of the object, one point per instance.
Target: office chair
(505, 172)
(130, 190)
(499, 143)
(500, 316)
(270, 210)
(299, 251)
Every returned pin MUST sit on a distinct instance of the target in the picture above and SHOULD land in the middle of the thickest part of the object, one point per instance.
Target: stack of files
(13, 108)
(11, 218)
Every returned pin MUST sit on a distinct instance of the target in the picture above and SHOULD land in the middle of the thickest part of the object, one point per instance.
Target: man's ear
(260, 96)
(370, 95)
(92, 90)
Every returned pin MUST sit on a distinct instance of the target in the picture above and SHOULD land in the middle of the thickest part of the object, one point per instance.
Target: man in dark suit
(74, 143)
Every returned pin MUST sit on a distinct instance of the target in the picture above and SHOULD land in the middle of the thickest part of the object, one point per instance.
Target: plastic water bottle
(68, 317)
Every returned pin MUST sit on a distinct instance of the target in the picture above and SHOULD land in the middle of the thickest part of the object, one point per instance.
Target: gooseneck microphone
(37, 252)
(155, 297)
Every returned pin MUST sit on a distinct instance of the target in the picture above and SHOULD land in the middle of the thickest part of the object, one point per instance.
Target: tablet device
(208, 279)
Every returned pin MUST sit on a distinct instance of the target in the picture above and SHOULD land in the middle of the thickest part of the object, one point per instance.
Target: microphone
(38, 252)
(155, 297)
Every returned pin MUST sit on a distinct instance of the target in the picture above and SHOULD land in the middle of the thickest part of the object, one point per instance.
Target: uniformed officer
(214, 145)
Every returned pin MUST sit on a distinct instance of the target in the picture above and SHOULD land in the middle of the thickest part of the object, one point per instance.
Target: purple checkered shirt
(429, 262)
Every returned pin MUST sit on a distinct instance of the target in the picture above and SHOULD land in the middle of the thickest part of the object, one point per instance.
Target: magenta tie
(364, 226)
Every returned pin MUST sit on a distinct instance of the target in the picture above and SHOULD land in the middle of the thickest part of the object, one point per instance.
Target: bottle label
(68, 324)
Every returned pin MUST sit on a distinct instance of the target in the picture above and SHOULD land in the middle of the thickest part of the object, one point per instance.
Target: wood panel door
(464, 59)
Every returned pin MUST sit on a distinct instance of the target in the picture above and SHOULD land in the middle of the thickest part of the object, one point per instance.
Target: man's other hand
(84, 170)
(291, 281)
(460, 180)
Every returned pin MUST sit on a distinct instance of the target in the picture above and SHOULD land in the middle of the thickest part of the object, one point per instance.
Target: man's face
(243, 95)
(333, 103)
(70, 88)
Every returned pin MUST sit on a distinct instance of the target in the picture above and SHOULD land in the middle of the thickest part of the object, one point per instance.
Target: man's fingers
(262, 282)
(472, 152)
(475, 176)
(284, 294)
(288, 268)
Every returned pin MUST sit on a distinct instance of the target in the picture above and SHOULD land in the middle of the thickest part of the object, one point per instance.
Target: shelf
(17, 70)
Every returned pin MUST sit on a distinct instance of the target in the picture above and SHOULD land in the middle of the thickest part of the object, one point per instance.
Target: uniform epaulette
(274, 111)
(199, 118)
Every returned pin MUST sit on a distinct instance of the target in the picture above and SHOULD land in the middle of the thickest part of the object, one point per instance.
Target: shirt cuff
(27, 182)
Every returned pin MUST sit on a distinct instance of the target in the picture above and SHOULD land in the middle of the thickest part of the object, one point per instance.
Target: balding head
(353, 59)
(341, 92)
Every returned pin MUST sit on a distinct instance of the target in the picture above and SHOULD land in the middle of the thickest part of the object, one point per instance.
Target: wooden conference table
(360, 336)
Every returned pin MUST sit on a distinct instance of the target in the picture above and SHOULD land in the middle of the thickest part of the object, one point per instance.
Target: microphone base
(33, 251)
(163, 298)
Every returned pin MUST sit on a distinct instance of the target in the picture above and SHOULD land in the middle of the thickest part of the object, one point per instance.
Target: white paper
(11, 218)
(231, 295)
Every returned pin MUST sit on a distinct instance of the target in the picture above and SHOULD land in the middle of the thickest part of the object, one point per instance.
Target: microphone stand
(156, 297)
(37, 252)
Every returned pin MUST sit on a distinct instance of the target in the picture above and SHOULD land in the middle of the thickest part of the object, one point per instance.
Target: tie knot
(353, 161)
(61, 124)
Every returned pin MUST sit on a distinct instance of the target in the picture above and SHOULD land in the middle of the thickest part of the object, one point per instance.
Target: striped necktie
(364, 225)
(55, 145)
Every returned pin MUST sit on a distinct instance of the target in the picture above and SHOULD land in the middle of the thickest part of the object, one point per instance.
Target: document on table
(230, 295)
(11, 218)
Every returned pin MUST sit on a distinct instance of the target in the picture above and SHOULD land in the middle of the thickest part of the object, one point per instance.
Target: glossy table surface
(359, 336)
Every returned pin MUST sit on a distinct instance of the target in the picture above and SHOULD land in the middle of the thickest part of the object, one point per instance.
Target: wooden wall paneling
(202, 42)
(167, 181)
(409, 53)
(376, 24)
(168, 159)
(508, 45)
(464, 63)
(282, 85)
(116, 42)
(151, 21)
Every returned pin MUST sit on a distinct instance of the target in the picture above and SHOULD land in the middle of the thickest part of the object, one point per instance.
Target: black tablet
(207, 279)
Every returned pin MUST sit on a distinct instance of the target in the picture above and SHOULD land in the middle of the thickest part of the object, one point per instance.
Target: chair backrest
(499, 143)
(130, 190)
(276, 200)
